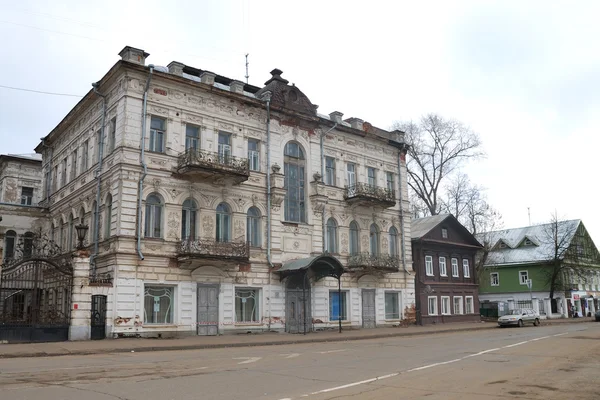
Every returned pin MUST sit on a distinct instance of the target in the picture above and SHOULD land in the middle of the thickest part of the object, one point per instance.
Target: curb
(234, 345)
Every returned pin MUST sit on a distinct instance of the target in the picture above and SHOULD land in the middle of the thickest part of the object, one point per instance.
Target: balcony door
(351, 178)
(224, 148)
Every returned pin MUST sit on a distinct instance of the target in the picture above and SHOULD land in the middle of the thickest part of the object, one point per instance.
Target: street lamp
(81, 232)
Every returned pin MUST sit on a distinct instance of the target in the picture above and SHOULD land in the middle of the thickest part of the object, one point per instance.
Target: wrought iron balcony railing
(383, 262)
(211, 248)
(194, 159)
(368, 192)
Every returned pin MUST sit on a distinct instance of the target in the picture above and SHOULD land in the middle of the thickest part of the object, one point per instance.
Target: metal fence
(541, 307)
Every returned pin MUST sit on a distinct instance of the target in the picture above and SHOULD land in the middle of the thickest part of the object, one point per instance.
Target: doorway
(368, 308)
(98, 321)
(298, 305)
(208, 310)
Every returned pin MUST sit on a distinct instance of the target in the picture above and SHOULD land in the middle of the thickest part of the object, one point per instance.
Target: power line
(39, 91)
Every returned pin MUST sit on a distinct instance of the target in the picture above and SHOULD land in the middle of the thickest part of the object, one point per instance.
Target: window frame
(223, 223)
(74, 164)
(27, 200)
(156, 137)
(253, 228)
(354, 238)
(521, 281)
(372, 176)
(151, 210)
(342, 305)
(429, 266)
(189, 219)
(63, 169)
(392, 316)
(255, 313)
(390, 181)
(12, 235)
(171, 308)
(393, 242)
(224, 148)
(295, 195)
(471, 309)
(466, 268)
(440, 264)
(192, 142)
(331, 236)
(329, 178)
(374, 240)
(431, 312)
(455, 269)
(492, 275)
(460, 305)
(445, 300)
(444, 233)
(254, 155)
(85, 147)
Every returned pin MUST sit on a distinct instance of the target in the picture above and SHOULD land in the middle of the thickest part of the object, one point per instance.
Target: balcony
(367, 262)
(202, 164)
(193, 251)
(369, 195)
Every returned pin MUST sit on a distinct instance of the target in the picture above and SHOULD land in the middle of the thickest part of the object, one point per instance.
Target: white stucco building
(225, 207)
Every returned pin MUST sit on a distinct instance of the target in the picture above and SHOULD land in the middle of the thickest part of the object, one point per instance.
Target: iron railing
(211, 248)
(372, 192)
(384, 262)
(197, 158)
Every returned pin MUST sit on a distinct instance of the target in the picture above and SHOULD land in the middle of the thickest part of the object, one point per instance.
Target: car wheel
(536, 322)
(520, 323)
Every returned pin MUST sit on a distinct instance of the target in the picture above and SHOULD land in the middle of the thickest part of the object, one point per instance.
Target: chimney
(207, 77)
(131, 54)
(355, 123)
(236, 87)
(176, 68)
(336, 117)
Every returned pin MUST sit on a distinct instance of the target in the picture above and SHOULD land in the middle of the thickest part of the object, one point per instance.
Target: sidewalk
(243, 340)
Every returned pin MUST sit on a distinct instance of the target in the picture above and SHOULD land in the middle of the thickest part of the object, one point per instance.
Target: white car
(519, 317)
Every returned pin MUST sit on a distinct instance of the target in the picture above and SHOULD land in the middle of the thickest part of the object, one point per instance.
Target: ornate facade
(199, 190)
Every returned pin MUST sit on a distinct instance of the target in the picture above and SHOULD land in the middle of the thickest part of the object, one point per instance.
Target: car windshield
(516, 312)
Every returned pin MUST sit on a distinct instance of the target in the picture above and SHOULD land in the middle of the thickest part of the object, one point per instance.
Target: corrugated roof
(516, 253)
(421, 226)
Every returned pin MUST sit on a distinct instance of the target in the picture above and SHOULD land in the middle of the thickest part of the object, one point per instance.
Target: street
(548, 362)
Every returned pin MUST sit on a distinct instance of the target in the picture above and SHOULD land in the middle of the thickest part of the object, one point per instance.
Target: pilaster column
(548, 307)
(535, 304)
(81, 299)
(565, 305)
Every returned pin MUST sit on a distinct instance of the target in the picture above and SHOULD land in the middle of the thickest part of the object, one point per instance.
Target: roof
(541, 250)
(421, 226)
(324, 265)
(23, 157)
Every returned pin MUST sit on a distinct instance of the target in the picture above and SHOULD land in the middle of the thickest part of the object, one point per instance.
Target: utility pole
(247, 76)
(530, 284)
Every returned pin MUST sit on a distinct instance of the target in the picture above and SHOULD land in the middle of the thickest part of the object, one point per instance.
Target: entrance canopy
(317, 267)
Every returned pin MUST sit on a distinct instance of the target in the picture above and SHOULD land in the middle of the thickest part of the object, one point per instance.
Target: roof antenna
(247, 76)
(529, 215)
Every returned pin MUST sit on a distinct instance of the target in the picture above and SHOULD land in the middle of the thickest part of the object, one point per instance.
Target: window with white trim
(443, 270)
(523, 277)
(254, 154)
(246, 305)
(445, 305)
(469, 305)
(157, 135)
(466, 268)
(192, 137)
(158, 304)
(495, 279)
(444, 233)
(454, 262)
(429, 265)
(432, 305)
(458, 305)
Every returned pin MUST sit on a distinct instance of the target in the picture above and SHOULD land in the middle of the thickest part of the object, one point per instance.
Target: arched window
(108, 216)
(223, 223)
(294, 170)
(354, 238)
(153, 223)
(331, 239)
(28, 244)
(393, 242)
(188, 220)
(10, 239)
(374, 240)
(253, 227)
(70, 232)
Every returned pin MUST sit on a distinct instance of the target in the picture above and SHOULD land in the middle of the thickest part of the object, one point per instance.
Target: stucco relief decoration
(254, 199)
(196, 101)
(175, 193)
(207, 226)
(365, 222)
(192, 118)
(364, 241)
(227, 109)
(238, 229)
(160, 110)
(344, 242)
(296, 245)
(173, 224)
(226, 127)
(156, 183)
(240, 203)
(384, 244)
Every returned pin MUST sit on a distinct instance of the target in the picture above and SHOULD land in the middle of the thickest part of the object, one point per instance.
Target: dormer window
(444, 233)
(527, 242)
(502, 245)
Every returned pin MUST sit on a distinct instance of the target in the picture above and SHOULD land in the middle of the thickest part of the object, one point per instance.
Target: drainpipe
(323, 179)
(267, 98)
(401, 212)
(98, 179)
(144, 166)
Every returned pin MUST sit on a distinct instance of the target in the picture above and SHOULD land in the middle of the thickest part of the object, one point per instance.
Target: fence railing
(217, 161)
(369, 191)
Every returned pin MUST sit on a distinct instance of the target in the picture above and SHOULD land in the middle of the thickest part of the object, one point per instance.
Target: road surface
(548, 362)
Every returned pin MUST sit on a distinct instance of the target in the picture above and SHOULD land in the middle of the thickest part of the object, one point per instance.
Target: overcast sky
(525, 75)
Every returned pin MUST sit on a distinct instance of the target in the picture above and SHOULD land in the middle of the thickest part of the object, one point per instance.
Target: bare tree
(439, 147)
(571, 254)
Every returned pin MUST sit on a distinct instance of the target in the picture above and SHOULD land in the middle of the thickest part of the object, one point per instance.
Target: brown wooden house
(446, 288)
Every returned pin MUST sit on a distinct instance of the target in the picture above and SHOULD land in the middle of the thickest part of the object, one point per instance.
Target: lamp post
(81, 232)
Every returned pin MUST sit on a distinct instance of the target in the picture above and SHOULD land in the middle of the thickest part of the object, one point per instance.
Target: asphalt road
(550, 362)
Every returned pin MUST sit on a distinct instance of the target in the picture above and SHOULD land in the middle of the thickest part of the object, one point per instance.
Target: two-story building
(217, 206)
(444, 261)
(519, 266)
